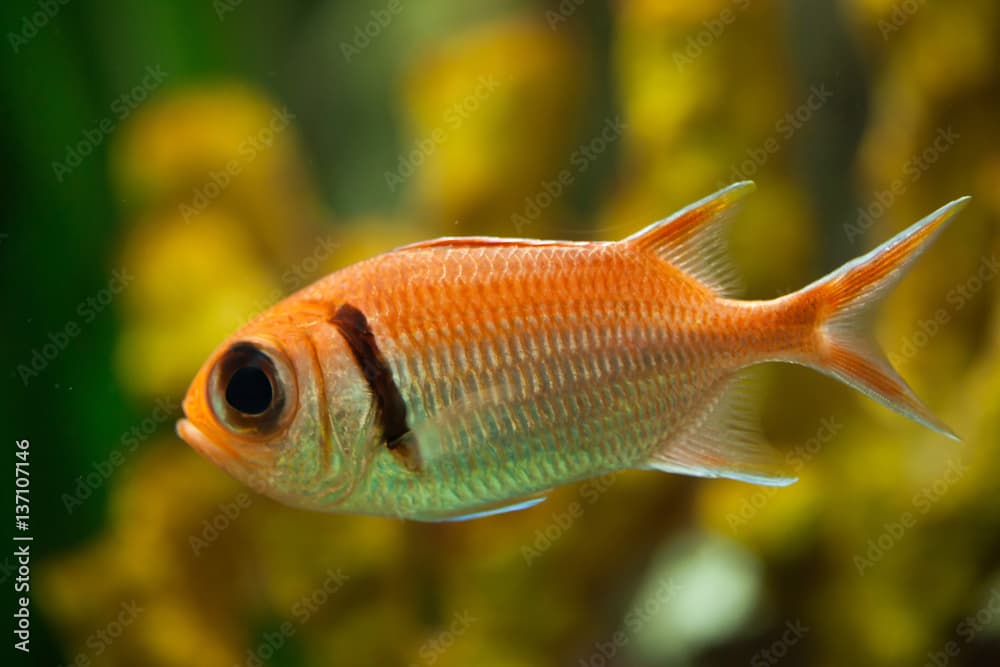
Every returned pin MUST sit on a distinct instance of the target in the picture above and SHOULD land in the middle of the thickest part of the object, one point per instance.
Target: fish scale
(527, 451)
(531, 456)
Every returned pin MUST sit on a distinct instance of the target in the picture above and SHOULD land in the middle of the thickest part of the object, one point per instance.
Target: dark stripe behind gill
(353, 325)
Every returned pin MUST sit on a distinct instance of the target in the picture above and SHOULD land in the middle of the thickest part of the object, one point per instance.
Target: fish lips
(218, 453)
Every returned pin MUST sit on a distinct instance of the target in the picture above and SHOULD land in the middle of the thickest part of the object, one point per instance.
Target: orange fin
(486, 241)
(691, 239)
(722, 440)
(844, 300)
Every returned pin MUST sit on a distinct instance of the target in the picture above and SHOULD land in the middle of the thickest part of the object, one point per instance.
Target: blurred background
(175, 167)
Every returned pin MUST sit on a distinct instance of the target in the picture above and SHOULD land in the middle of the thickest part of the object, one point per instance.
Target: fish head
(282, 407)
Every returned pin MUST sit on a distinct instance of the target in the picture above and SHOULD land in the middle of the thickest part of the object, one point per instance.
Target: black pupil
(249, 391)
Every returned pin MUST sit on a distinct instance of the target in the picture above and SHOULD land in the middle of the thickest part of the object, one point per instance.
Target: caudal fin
(843, 346)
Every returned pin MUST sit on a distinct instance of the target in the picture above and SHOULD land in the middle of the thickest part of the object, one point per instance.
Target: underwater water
(174, 168)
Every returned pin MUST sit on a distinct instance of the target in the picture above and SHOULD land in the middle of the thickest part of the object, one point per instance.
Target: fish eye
(248, 388)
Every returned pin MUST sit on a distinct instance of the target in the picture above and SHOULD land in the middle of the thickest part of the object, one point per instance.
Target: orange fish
(462, 377)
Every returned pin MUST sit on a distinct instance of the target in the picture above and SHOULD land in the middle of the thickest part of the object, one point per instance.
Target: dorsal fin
(691, 239)
(483, 241)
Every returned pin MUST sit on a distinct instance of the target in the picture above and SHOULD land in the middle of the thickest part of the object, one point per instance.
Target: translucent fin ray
(692, 239)
(489, 510)
(722, 440)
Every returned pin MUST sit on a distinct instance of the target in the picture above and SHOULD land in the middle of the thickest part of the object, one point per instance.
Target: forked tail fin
(843, 346)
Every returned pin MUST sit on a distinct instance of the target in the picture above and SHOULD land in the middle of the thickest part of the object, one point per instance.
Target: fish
(463, 377)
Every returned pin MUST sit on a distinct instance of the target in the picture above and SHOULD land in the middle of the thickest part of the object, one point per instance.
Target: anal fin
(722, 440)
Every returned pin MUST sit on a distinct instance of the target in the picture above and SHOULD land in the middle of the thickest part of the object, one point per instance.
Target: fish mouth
(195, 437)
